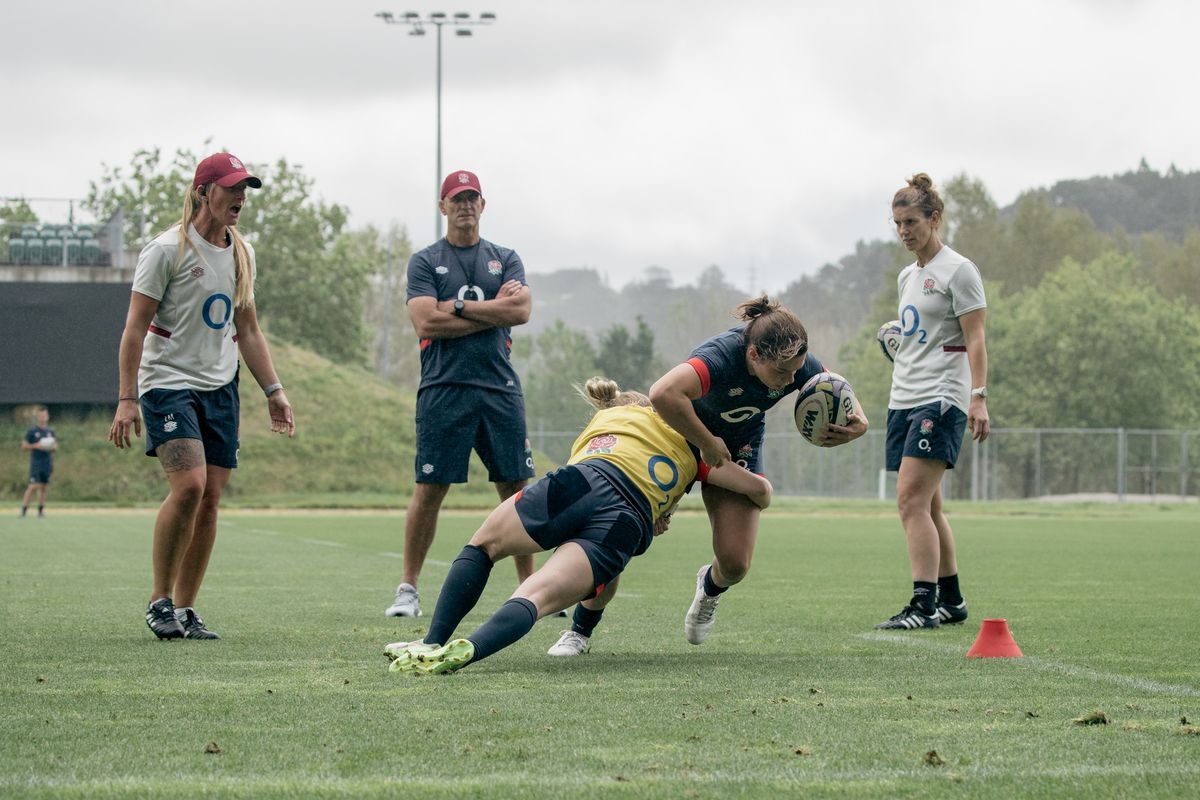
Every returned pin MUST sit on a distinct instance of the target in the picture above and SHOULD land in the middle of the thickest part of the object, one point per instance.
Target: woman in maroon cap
(191, 313)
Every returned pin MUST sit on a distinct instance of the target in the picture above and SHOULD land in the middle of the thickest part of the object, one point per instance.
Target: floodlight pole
(461, 20)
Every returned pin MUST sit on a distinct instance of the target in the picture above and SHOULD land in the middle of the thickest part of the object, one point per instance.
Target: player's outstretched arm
(736, 478)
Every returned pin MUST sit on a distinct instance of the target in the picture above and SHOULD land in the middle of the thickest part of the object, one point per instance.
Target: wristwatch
(980, 391)
(459, 305)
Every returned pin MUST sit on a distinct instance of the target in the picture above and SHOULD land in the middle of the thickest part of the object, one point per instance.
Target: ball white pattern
(825, 399)
(46, 442)
(889, 337)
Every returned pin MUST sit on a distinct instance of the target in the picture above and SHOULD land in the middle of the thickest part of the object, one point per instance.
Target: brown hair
(244, 278)
(776, 333)
(604, 393)
(921, 195)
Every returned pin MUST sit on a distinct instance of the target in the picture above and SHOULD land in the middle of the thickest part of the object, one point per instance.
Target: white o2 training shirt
(931, 364)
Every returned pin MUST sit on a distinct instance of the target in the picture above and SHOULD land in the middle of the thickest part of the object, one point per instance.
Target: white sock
(181, 613)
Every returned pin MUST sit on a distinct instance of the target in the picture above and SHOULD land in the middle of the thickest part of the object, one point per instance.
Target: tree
(629, 359)
(549, 364)
(150, 191)
(1094, 346)
(312, 273)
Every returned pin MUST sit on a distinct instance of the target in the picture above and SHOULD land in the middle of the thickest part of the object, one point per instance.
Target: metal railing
(1120, 464)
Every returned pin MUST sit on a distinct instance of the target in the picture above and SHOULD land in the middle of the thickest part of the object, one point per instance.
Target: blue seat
(84, 232)
(16, 251)
(52, 250)
(91, 251)
(29, 232)
(49, 232)
(74, 251)
(33, 251)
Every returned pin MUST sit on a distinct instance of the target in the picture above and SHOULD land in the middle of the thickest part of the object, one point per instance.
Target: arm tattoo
(180, 454)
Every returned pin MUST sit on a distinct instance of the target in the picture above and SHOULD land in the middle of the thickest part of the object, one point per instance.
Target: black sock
(513, 620)
(948, 591)
(23, 510)
(711, 589)
(923, 597)
(585, 620)
(464, 584)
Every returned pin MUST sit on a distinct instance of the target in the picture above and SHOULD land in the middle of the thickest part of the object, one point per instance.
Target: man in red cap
(464, 295)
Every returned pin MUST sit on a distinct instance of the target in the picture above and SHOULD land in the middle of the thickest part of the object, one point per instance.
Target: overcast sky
(764, 137)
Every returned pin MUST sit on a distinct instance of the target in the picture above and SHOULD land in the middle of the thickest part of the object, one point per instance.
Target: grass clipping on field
(1096, 717)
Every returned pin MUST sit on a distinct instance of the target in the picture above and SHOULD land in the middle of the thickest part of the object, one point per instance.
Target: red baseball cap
(223, 169)
(460, 181)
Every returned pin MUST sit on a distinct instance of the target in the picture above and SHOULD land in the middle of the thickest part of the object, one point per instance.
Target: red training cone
(994, 641)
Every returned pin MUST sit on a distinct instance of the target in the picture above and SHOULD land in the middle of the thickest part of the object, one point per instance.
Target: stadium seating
(74, 251)
(52, 252)
(16, 251)
(33, 251)
(91, 251)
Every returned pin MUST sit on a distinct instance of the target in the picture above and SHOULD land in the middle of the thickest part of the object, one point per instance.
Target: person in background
(626, 473)
(41, 444)
(191, 313)
(464, 296)
(939, 388)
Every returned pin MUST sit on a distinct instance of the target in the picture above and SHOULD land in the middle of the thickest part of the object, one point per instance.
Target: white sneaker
(703, 612)
(398, 649)
(406, 604)
(570, 644)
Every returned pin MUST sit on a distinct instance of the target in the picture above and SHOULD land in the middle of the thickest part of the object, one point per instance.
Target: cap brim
(234, 178)
(460, 190)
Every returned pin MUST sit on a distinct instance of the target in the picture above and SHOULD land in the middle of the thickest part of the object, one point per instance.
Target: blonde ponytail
(602, 393)
(243, 275)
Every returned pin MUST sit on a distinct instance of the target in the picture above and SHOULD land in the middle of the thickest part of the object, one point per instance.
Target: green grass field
(793, 694)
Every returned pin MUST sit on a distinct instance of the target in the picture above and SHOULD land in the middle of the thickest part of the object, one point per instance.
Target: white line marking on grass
(263, 531)
(372, 784)
(324, 542)
(392, 555)
(437, 563)
(1045, 665)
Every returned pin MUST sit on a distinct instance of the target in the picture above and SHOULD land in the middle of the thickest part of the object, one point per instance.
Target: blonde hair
(243, 277)
(921, 195)
(604, 393)
(776, 333)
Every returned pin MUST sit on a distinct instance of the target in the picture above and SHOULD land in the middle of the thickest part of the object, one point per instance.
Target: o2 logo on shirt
(656, 467)
(910, 322)
(740, 414)
(217, 310)
(474, 290)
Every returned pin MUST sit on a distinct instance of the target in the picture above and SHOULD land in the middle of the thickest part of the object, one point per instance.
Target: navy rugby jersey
(39, 459)
(733, 400)
(445, 272)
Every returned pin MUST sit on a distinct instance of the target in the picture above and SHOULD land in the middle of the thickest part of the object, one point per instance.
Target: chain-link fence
(1014, 463)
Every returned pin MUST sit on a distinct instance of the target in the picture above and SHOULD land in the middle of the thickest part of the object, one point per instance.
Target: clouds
(765, 136)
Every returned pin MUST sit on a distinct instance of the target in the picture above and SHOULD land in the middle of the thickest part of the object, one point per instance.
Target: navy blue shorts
(453, 419)
(925, 432)
(748, 451)
(211, 417)
(40, 474)
(576, 503)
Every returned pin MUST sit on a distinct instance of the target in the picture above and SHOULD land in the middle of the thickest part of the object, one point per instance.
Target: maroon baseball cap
(460, 181)
(224, 169)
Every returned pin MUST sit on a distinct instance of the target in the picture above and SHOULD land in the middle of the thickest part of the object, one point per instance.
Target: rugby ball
(46, 442)
(889, 337)
(825, 399)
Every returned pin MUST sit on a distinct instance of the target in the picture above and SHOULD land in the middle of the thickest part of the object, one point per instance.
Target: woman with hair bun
(718, 399)
(939, 388)
(627, 471)
(191, 314)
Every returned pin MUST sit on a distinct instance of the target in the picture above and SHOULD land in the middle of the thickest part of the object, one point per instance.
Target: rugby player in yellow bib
(626, 473)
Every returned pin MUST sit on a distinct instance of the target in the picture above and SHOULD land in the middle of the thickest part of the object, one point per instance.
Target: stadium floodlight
(461, 21)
